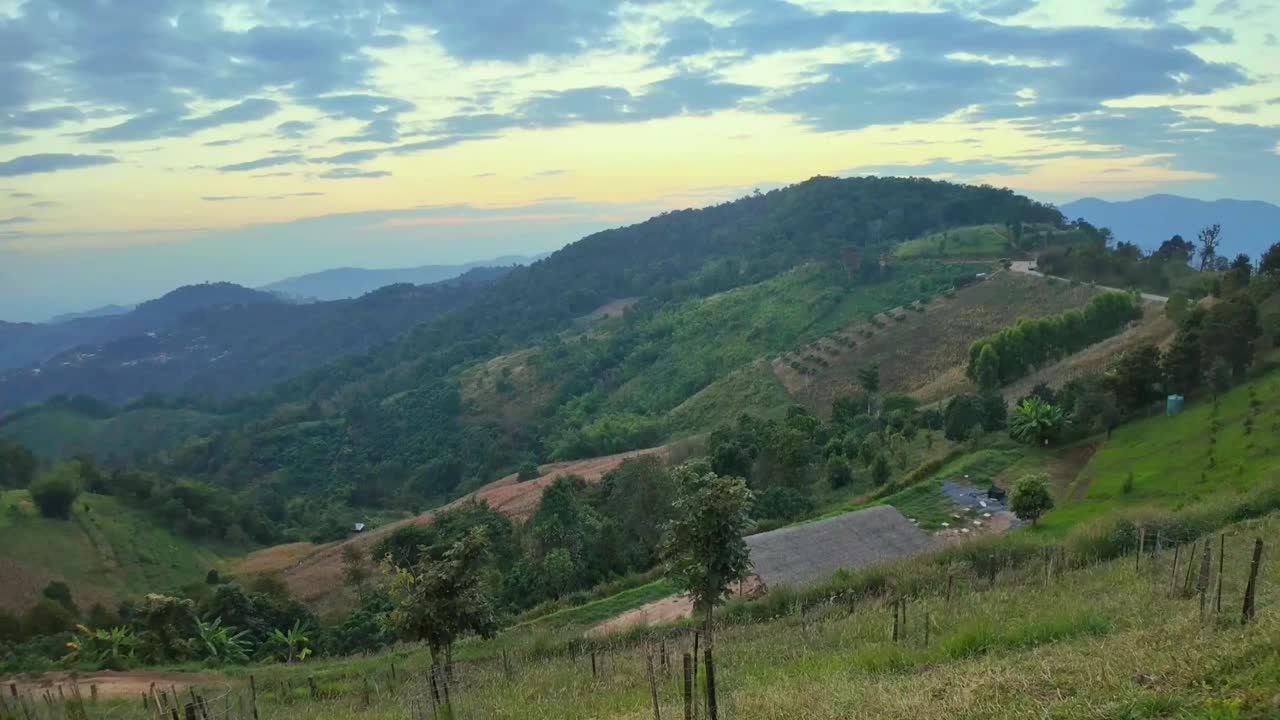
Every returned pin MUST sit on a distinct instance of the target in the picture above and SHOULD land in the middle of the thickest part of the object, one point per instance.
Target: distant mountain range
(104, 311)
(216, 339)
(1248, 226)
(347, 282)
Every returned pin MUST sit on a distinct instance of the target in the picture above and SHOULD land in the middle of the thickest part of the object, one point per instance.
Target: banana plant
(219, 643)
(294, 643)
(112, 649)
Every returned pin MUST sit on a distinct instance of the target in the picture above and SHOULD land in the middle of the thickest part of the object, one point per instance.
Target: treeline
(1013, 352)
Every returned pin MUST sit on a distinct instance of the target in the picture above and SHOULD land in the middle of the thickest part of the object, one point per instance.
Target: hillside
(395, 422)
(347, 283)
(106, 552)
(61, 430)
(1248, 226)
(228, 350)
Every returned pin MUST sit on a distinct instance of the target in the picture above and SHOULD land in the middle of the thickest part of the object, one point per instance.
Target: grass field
(60, 433)
(105, 552)
(1102, 642)
(592, 613)
(973, 241)
(1165, 461)
(754, 388)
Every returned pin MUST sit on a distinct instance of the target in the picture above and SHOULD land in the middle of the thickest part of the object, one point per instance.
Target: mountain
(403, 425)
(181, 344)
(104, 311)
(26, 344)
(347, 282)
(1248, 226)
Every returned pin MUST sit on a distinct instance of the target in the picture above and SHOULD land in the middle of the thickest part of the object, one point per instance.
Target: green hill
(55, 432)
(105, 553)
(972, 241)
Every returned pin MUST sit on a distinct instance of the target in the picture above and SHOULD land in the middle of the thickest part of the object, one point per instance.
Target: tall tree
(869, 379)
(1270, 263)
(1209, 238)
(1229, 332)
(987, 370)
(1175, 248)
(703, 549)
(355, 569)
(441, 600)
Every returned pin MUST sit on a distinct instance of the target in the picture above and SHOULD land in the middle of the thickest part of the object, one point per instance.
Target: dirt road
(1027, 267)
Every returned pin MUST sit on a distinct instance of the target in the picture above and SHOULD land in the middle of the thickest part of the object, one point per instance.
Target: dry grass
(1154, 329)
(313, 573)
(919, 352)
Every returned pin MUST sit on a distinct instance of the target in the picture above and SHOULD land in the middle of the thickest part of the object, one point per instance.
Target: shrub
(55, 492)
(1031, 498)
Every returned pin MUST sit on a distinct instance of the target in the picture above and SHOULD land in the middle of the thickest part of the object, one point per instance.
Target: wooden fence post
(1191, 562)
(950, 580)
(189, 711)
(311, 686)
(895, 619)
(653, 682)
(697, 635)
(926, 628)
(506, 663)
(1142, 541)
(1173, 572)
(594, 674)
(688, 687)
(1246, 615)
(253, 696)
(393, 672)
(712, 712)
(1222, 558)
(991, 570)
(1202, 583)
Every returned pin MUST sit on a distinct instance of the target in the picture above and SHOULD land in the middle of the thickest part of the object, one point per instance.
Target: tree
(1176, 308)
(1175, 248)
(1229, 332)
(1209, 238)
(1134, 378)
(880, 470)
(869, 379)
(292, 644)
(55, 492)
(1270, 263)
(46, 617)
(355, 572)
(60, 593)
(528, 471)
(839, 474)
(18, 465)
(1238, 275)
(964, 412)
(987, 370)
(1031, 498)
(703, 550)
(1035, 422)
(441, 600)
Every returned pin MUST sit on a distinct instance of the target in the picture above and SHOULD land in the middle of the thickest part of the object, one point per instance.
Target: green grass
(105, 552)
(1099, 642)
(1169, 457)
(595, 612)
(57, 433)
(971, 241)
(754, 387)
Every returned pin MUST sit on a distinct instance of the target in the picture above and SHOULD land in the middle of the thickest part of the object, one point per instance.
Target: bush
(55, 492)
(528, 471)
(46, 617)
(1031, 498)
(839, 474)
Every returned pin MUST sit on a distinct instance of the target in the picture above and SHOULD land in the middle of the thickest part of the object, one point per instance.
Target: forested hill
(229, 349)
(387, 427)
(25, 344)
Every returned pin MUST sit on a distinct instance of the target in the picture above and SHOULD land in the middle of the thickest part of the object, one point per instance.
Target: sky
(146, 144)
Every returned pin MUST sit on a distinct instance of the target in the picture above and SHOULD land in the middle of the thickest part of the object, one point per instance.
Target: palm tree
(1035, 421)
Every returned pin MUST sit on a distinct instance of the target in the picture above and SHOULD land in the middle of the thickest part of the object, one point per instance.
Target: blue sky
(150, 143)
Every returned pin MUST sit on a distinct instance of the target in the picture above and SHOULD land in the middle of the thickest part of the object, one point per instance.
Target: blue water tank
(1174, 405)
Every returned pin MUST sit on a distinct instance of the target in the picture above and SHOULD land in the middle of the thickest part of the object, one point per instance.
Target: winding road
(1027, 267)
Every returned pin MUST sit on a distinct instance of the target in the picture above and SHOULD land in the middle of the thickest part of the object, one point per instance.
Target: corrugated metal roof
(804, 553)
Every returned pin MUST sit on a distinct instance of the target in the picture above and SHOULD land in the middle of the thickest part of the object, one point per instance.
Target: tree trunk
(707, 626)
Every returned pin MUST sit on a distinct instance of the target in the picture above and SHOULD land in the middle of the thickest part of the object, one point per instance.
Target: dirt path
(1025, 267)
(115, 684)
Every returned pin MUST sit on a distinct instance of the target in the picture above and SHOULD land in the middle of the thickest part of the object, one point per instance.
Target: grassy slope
(972, 241)
(1104, 642)
(105, 552)
(1169, 456)
(754, 388)
(919, 353)
(60, 433)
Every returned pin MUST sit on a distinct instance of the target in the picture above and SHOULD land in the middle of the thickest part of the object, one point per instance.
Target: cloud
(549, 173)
(266, 162)
(294, 129)
(990, 8)
(223, 198)
(514, 30)
(19, 220)
(43, 118)
(51, 162)
(286, 196)
(1155, 10)
(350, 173)
(1241, 108)
(21, 195)
(223, 143)
(379, 113)
(166, 123)
(11, 138)
(45, 204)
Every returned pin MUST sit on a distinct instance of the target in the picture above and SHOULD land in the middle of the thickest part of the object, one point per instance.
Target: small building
(359, 527)
(813, 551)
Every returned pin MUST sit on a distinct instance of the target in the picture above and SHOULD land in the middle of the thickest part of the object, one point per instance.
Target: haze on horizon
(149, 145)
